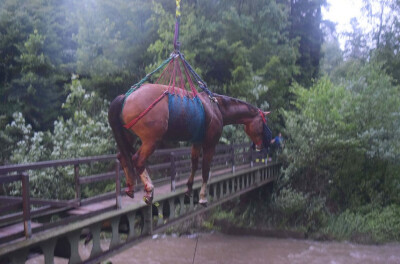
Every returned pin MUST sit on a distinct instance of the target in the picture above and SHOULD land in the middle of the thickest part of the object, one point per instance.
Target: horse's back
(154, 124)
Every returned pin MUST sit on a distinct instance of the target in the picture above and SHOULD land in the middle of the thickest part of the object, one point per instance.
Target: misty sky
(341, 12)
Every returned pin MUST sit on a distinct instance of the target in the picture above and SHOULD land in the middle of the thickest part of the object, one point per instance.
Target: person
(278, 141)
(277, 144)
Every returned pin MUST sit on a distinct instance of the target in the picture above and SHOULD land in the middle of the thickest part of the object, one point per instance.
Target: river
(215, 248)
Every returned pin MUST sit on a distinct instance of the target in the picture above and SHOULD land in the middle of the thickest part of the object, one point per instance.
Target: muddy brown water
(216, 248)
(220, 248)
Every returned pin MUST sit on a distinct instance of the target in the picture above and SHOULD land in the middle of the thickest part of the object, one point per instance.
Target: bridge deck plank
(15, 229)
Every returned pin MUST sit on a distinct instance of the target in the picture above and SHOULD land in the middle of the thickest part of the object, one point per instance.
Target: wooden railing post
(233, 157)
(26, 205)
(77, 184)
(172, 171)
(251, 157)
(117, 184)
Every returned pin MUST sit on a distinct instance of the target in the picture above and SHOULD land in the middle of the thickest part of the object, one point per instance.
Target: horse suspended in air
(157, 112)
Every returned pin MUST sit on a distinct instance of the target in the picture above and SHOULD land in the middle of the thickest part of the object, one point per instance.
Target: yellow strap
(178, 8)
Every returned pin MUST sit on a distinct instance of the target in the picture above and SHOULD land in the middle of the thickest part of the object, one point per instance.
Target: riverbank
(258, 213)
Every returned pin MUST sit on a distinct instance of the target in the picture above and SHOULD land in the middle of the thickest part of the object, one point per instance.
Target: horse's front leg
(195, 164)
(208, 154)
(139, 160)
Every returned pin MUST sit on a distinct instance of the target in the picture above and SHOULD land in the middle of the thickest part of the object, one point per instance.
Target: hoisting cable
(177, 23)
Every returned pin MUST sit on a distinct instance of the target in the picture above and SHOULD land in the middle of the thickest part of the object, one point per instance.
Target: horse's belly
(186, 119)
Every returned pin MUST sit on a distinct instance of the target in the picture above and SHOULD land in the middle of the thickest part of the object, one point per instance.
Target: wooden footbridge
(50, 229)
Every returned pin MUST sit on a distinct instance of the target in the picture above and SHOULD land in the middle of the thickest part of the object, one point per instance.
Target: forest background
(62, 62)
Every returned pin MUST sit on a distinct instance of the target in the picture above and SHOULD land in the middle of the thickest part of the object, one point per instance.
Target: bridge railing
(168, 165)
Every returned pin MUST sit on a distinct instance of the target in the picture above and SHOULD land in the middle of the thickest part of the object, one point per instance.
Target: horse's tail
(123, 137)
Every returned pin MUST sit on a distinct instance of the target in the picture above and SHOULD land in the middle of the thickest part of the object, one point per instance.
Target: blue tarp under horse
(187, 116)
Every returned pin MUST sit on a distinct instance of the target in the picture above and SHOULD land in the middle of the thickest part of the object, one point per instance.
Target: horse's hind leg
(126, 163)
(139, 160)
(208, 154)
(128, 170)
(195, 164)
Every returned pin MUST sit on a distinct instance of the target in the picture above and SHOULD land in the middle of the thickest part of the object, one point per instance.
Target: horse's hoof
(203, 202)
(148, 198)
(130, 193)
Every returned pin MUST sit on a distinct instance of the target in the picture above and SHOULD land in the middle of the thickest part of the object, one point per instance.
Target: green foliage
(32, 50)
(344, 139)
(31, 146)
(86, 133)
(373, 225)
(332, 57)
(36, 90)
(291, 208)
(306, 18)
(112, 38)
(317, 134)
(290, 204)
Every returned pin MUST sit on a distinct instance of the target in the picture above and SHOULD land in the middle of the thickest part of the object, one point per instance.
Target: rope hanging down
(177, 22)
(177, 73)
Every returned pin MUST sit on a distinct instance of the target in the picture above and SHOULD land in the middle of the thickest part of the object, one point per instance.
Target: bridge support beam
(95, 231)
(147, 220)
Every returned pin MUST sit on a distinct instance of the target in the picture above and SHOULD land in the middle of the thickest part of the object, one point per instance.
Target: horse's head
(258, 131)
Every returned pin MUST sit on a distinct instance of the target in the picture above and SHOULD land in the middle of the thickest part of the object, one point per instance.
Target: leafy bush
(375, 225)
(290, 203)
(85, 133)
(343, 140)
(292, 208)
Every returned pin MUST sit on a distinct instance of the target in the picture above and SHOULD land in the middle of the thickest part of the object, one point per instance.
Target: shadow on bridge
(55, 228)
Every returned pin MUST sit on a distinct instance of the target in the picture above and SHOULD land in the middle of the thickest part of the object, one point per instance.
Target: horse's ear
(266, 113)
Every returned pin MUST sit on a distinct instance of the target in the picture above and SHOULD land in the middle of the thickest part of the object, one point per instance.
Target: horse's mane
(227, 99)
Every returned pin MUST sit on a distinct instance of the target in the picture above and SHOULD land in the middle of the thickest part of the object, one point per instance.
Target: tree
(14, 29)
(386, 35)
(36, 91)
(332, 57)
(305, 19)
(112, 40)
(356, 44)
(33, 44)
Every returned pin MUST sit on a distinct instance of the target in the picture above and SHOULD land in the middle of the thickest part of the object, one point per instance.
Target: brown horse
(154, 127)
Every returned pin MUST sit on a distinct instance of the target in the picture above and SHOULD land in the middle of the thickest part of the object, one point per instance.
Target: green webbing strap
(137, 85)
